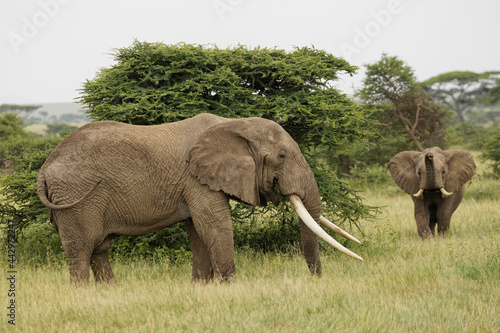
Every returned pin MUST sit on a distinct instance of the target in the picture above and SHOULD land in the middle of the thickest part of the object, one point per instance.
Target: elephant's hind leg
(99, 262)
(78, 239)
(78, 260)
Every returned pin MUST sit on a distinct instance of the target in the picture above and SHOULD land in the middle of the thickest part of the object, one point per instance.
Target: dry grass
(38, 129)
(404, 285)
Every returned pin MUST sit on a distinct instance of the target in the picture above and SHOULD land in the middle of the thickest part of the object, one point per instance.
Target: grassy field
(447, 284)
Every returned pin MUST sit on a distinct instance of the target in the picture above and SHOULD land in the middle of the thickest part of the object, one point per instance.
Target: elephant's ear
(461, 168)
(222, 158)
(402, 167)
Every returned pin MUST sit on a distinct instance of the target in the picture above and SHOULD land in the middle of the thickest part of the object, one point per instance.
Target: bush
(11, 135)
(20, 200)
(171, 243)
(468, 135)
(491, 150)
(39, 244)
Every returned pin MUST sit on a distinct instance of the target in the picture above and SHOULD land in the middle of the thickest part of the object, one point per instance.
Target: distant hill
(53, 113)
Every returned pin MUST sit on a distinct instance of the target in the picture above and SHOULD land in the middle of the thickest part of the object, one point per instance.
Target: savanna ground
(447, 284)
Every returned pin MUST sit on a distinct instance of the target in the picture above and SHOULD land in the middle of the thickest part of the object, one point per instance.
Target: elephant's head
(432, 169)
(245, 158)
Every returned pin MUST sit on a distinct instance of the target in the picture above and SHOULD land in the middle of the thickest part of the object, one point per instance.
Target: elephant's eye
(282, 153)
(444, 171)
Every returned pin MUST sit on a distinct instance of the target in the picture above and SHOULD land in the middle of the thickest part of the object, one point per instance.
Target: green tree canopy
(153, 83)
(12, 135)
(392, 87)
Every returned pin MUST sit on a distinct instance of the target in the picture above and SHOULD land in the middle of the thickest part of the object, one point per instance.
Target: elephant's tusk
(445, 193)
(336, 229)
(419, 193)
(315, 227)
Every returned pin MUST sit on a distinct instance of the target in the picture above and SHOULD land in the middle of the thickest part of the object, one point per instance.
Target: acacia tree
(23, 110)
(153, 83)
(460, 90)
(391, 86)
(493, 96)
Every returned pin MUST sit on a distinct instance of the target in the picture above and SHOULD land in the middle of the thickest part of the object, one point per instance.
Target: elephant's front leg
(211, 217)
(444, 212)
(422, 218)
(202, 264)
(446, 208)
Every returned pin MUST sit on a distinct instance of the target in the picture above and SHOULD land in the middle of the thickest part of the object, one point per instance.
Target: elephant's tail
(41, 188)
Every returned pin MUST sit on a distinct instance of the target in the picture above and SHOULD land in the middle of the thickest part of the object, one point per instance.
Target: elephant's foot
(443, 233)
(79, 271)
(229, 278)
(443, 229)
(203, 274)
(425, 232)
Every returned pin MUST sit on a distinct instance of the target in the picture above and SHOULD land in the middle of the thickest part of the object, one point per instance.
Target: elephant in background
(109, 178)
(435, 180)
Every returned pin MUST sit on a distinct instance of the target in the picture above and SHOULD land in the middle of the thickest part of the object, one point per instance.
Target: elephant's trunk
(311, 203)
(430, 171)
(304, 196)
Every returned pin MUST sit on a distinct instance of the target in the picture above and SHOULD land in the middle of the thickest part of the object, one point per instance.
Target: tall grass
(447, 284)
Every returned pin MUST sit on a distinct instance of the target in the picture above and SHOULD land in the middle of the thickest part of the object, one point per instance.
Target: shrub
(491, 150)
(469, 135)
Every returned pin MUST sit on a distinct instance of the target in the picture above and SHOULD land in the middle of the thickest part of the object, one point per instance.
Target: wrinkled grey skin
(110, 178)
(431, 170)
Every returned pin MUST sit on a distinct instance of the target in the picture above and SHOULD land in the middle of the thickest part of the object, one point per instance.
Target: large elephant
(435, 180)
(110, 178)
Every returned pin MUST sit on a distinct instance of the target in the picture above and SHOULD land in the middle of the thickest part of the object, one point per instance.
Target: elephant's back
(92, 142)
(106, 148)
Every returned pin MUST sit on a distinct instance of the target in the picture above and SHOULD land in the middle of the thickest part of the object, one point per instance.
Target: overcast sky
(49, 47)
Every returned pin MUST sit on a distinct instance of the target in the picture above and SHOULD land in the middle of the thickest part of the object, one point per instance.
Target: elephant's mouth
(271, 195)
(442, 190)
